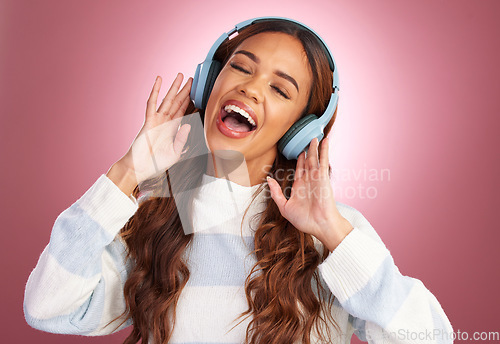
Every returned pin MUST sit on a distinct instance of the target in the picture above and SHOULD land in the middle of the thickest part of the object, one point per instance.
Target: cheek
(217, 89)
(221, 81)
(282, 118)
(211, 104)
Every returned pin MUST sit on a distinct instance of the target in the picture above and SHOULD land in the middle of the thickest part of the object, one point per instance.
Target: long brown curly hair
(282, 294)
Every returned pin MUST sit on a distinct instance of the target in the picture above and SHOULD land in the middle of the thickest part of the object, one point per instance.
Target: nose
(252, 88)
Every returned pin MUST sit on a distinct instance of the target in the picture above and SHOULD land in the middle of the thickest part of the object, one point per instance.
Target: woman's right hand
(159, 143)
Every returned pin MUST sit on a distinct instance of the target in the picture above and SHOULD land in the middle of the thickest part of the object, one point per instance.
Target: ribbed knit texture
(77, 284)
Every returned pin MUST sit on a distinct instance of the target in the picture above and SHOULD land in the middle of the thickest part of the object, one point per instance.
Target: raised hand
(311, 207)
(159, 143)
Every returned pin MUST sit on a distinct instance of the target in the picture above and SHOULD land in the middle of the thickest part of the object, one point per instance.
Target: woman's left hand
(311, 207)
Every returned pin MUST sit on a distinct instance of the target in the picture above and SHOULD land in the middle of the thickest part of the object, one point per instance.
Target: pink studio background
(419, 112)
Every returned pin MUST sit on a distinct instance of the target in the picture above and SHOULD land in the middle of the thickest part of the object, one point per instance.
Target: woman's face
(269, 77)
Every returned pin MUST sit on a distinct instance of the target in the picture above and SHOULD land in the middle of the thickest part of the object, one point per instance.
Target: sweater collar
(226, 191)
(220, 199)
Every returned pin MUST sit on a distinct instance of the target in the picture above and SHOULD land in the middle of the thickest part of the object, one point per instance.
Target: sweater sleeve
(77, 284)
(384, 305)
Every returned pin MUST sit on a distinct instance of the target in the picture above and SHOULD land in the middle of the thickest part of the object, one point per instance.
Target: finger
(314, 156)
(182, 109)
(323, 160)
(153, 97)
(310, 166)
(169, 97)
(299, 170)
(181, 138)
(277, 194)
(180, 98)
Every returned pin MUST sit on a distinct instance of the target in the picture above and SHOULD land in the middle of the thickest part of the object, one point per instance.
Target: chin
(217, 146)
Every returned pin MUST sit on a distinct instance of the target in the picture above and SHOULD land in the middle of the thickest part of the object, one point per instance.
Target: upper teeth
(242, 112)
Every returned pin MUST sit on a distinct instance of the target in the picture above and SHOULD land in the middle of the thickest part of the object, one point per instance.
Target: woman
(210, 251)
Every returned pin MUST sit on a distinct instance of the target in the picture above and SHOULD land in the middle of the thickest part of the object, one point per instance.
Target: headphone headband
(244, 24)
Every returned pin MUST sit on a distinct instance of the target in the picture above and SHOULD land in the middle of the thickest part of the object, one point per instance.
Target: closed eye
(277, 89)
(235, 66)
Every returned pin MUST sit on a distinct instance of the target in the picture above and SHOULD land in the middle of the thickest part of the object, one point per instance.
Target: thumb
(277, 194)
(181, 138)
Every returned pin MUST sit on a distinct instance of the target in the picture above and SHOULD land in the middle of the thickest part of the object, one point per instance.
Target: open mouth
(237, 119)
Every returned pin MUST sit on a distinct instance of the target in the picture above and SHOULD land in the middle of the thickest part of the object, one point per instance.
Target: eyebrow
(278, 73)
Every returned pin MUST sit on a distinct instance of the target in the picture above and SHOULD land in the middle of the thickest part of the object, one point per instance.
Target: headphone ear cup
(196, 87)
(213, 72)
(294, 131)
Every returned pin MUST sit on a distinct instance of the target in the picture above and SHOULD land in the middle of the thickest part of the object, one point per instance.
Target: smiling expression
(269, 77)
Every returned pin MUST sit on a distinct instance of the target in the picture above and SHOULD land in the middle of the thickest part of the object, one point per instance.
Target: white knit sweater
(77, 284)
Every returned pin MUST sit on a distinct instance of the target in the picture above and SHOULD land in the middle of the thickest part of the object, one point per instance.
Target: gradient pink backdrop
(419, 98)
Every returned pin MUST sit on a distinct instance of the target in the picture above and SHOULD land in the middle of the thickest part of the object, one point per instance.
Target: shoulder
(353, 215)
(358, 220)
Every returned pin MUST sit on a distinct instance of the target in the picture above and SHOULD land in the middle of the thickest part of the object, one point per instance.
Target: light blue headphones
(301, 133)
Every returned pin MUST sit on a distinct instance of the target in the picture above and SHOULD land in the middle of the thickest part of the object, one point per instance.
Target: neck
(231, 165)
